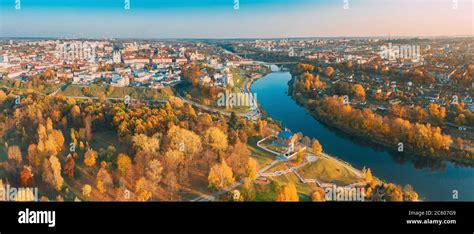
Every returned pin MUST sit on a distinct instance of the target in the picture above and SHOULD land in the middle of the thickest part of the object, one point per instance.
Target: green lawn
(278, 167)
(304, 190)
(239, 81)
(102, 139)
(329, 171)
(263, 158)
(266, 192)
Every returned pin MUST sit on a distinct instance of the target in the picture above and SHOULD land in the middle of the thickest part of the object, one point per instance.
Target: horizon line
(238, 38)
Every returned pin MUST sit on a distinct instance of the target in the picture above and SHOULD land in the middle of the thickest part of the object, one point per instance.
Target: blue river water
(434, 180)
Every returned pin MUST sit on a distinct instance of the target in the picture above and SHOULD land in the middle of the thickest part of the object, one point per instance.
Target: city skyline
(220, 19)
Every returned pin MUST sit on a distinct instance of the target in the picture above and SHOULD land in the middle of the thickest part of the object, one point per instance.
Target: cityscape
(323, 116)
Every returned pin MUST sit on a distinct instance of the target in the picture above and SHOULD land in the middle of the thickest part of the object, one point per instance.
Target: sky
(223, 19)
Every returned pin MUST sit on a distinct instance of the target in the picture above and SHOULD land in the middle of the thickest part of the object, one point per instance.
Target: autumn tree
(141, 161)
(317, 83)
(142, 142)
(307, 79)
(233, 120)
(393, 193)
(50, 141)
(33, 156)
(69, 166)
(90, 158)
(318, 195)
(398, 111)
(88, 127)
(154, 171)
(317, 148)
(124, 165)
(419, 114)
(26, 177)
(86, 190)
(3, 96)
(171, 182)
(262, 128)
(52, 173)
(409, 194)
(238, 159)
(359, 92)
(174, 161)
(287, 193)
(220, 176)
(459, 143)
(184, 140)
(215, 138)
(302, 68)
(367, 174)
(251, 171)
(103, 179)
(437, 114)
(75, 112)
(329, 71)
(141, 190)
(460, 120)
(14, 154)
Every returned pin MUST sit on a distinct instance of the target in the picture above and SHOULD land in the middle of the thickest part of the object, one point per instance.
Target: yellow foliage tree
(90, 158)
(14, 153)
(184, 140)
(317, 148)
(52, 173)
(288, 193)
(215, 138)
(124, 164)
(251, 171)
(140, 190)
(103, 179)
(86, 190)
(220, 176)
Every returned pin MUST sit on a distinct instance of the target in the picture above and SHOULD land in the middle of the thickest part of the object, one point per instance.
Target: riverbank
(344, 174)
(433, 180)
(407, 151)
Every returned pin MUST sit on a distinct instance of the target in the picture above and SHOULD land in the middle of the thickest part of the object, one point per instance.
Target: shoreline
(409, 152)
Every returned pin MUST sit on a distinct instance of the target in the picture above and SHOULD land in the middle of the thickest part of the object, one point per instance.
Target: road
(63, 87)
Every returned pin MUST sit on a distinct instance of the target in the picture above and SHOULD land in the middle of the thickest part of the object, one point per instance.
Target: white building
(4, 59)
(117, 57)
(118, 81)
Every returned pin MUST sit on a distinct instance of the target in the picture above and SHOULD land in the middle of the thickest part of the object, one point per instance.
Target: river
(434, 180)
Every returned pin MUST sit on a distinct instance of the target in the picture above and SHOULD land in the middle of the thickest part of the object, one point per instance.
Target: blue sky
(219, 19)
